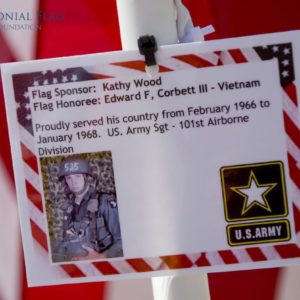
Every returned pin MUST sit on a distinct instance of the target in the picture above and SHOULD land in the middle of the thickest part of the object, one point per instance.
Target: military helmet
(74, 166)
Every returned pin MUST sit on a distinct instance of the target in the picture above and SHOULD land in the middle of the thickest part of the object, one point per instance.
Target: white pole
(142, 17)
(192, 287)
(158, 18)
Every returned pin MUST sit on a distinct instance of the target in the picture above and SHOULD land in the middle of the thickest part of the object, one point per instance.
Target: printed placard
(121, 174)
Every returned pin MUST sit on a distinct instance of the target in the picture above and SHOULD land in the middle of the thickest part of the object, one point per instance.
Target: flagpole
(159, 18)
(154, 17)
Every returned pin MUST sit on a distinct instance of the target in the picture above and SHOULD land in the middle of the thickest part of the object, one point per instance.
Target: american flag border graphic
(281, 52)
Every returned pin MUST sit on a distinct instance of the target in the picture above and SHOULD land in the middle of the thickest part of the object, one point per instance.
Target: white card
(121, 175)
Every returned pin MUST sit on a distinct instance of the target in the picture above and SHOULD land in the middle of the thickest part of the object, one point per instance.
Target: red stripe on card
(294, 170)
(139, 265)
(228, 257)
(237, 56)
(177, 261)
(73, 271)
(291, 90)
(256, 254)
(288, 251)
(135, 65)
(39, 235)
(101, 76)
(34, 196)
(296, 217)
(139, 65)
(220, 63)
(106, 268)
(202, 261)
(194, 61)
(163, 69)
(29, 158)
(292, 129)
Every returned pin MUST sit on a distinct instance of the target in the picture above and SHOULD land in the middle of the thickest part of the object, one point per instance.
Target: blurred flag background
(54, 28)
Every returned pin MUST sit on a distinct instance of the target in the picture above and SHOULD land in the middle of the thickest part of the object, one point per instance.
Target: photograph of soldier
(88, 227)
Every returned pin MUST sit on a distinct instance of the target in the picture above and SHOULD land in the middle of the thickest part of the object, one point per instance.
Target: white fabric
(185, 28)
(141, 17)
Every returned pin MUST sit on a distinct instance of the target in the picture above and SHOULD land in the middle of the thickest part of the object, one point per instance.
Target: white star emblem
(275, 49)
(26, 94)
(285, 73)
(285, 62)
(74, 77)
(64, 79)
(27, 106)
(35, 83)
(254, 193)
(45, 82)
(28, 117)
(286, 51)
(55, 80)
(18, 105)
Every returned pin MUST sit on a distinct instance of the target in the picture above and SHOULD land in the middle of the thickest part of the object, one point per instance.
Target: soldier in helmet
(91, 226)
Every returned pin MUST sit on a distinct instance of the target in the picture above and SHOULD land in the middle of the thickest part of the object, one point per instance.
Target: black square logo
(254, 191)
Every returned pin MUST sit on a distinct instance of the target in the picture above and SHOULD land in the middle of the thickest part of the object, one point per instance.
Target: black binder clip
(148, 46)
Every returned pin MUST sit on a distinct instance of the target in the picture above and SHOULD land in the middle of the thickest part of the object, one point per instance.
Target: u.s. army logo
(255, 192)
